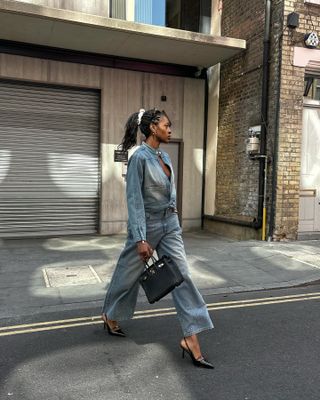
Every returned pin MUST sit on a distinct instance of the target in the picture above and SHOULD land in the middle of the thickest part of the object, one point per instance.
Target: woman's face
(163, 130)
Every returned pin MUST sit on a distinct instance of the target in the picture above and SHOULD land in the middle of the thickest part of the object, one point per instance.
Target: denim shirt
(149, 190)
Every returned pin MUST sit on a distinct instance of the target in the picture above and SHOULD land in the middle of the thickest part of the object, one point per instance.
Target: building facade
(71, 72)
(274, 84)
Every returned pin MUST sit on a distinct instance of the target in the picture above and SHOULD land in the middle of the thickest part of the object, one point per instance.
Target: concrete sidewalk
(55, 274)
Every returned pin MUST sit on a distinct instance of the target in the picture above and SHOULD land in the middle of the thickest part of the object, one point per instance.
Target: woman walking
(153, 224)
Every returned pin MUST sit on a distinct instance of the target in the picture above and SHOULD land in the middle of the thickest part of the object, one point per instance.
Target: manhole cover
(70, 276)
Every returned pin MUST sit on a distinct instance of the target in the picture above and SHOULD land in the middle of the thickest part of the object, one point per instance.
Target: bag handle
(154, 260)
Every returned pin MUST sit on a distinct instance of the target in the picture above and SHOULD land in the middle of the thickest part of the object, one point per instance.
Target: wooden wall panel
(121, 96)
(24, 68)
(155, 86)
(193, 123)
(74, 74)
(122, 93)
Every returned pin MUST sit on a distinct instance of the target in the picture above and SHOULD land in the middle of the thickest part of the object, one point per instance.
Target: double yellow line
(160, 312)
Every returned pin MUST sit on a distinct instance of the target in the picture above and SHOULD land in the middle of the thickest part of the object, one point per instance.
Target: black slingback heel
(200, 362)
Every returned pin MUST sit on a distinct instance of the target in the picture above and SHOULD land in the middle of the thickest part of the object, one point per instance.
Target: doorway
(309, 209)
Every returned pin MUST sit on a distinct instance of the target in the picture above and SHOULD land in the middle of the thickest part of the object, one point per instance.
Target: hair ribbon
(141, 112)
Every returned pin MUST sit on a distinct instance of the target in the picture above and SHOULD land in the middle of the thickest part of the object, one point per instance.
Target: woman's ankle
(112, 323)
(191, 343)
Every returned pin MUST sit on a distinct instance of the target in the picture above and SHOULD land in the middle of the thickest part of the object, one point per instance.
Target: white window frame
(130, 10)
(316, 2)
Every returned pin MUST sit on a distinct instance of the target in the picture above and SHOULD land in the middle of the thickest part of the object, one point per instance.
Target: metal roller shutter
(49, 163)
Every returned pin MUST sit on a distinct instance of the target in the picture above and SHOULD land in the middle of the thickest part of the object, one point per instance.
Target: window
(312, 87)
(191, 15)
(118, 9)
(150, 12)
(317, 91)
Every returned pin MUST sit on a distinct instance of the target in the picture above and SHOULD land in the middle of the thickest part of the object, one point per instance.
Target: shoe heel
(201, 362)
(183, 353)
(104, 326)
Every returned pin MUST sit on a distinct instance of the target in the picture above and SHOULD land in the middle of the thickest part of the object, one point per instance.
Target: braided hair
(142, 120)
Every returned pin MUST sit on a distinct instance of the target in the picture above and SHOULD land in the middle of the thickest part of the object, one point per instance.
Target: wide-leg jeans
(164, 235)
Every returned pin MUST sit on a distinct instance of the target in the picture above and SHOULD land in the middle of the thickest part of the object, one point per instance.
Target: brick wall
(290, 123)
(240, 107)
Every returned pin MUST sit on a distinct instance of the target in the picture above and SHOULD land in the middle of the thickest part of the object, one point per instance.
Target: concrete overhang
(30, 23)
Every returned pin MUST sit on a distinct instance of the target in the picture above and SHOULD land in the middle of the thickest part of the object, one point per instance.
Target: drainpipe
(276, 145)
(261, 216)
(264, 119)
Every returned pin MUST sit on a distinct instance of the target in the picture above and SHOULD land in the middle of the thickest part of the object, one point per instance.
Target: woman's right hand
(144, 250)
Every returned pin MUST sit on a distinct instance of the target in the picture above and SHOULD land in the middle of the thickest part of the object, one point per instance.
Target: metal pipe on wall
(264, 114)
(276, 142)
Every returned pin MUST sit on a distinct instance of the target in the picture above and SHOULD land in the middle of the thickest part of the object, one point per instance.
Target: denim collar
(151, 149)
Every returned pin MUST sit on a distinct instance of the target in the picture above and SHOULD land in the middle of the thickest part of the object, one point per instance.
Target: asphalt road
(265, 346)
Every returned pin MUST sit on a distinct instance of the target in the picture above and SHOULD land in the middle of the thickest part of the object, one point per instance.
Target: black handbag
(160, 278)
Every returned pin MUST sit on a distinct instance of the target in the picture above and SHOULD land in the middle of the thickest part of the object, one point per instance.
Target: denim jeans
(164, 235)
